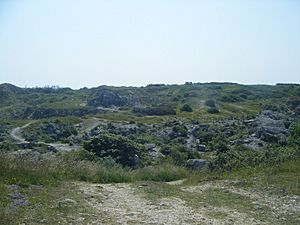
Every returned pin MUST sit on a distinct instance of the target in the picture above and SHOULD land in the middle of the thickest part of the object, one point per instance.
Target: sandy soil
(122, 204)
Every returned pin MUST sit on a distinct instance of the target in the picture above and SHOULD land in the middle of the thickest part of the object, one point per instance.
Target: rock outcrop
(109, 98)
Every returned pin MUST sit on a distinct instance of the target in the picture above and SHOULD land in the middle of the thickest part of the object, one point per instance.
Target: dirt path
(123, 204)
(16, 133)
(119, 204)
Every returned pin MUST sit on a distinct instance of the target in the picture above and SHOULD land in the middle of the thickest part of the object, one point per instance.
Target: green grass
(211, 197)
(66, 167)
(219, 198)
(68, 103)
(161, 173)
(44, 207)
(284, 177)
(122, 116)
(56, 177)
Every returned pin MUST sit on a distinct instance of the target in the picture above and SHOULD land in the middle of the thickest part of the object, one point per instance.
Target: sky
(87, 43)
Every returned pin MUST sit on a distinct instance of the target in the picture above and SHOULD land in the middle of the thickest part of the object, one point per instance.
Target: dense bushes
(121, 149)
(8, 145)
(186, 108)
(229, 98)
(52, 130)
(212, 108)
(210, 103)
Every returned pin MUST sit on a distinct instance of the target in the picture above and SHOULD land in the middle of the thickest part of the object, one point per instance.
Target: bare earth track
(119, 204)
(124, 204)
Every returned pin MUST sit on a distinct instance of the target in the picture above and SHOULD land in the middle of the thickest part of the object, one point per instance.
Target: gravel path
(16, 133)
(122, 204)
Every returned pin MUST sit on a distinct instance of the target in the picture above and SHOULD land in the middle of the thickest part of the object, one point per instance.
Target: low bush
(186, 108)
(229, 98)
(51, 130)
(212, 110)
(210, 103)
(178, 155)
(120, 148)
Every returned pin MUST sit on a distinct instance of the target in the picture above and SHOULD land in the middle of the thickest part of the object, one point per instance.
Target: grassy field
(239, 186)
(49, 184)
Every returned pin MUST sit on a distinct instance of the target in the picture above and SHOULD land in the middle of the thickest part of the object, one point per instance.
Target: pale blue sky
(80, 43)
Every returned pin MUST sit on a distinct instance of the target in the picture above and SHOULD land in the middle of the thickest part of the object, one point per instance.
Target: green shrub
(210, 103)
(8, 144)
(51, 130)
(178, 155)
(120, 148)
(186, 108)
(219, 144)
(229, 98)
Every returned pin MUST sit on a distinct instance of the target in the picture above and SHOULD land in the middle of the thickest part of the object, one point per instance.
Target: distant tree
(186, 108)
(210, 103)
(188, 83)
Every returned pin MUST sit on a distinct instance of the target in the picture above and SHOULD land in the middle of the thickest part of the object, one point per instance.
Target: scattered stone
(196, 163)
(17, 199)
(52, 148)
(202, 148)
(16, 195)
(13, 187)
(135, 161)
(19, 203)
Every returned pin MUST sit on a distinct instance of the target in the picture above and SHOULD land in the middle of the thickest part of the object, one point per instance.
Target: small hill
(8, 92)
(10, 88)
